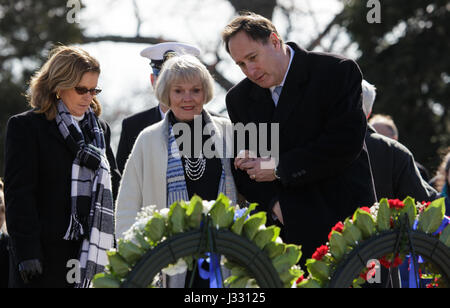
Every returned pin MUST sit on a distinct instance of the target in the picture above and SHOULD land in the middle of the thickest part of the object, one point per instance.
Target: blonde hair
(184, 67)
(62, 71)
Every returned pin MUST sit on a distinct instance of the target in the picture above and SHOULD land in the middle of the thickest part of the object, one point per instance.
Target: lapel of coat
(294, 87)
(54, 132)
(261, 107)
(155, 116)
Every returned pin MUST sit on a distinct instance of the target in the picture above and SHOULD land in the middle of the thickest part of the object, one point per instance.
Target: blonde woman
(59, 200)
(161, 169)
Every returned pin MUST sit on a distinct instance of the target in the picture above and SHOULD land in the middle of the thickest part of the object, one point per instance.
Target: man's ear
(274, 40)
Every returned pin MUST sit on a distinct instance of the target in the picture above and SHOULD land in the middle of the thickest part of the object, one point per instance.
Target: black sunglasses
(83, 90)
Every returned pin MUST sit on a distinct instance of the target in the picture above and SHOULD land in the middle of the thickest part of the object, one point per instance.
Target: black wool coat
(38, 168)
(131, 127)
(395, 173)
(324, 168)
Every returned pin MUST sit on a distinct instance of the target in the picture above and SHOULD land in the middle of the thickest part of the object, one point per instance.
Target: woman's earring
(57, 96)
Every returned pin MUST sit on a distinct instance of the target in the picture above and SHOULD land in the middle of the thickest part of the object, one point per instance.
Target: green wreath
(387, 231)
(171, 240)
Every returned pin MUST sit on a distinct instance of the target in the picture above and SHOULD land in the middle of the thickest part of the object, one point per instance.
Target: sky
(125, 77)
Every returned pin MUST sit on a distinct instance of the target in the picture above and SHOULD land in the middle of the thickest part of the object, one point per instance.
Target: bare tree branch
(335, 21)
(312, 15)
(262, 7)
(122, 39)
(220, 78)
(138, 18)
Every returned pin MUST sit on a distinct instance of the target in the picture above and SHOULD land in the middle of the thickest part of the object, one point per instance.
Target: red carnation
(387, 264)
(396, 204)
(397, 261)
(320, 252)
(338, 228)
(366, 209)
(427, 204)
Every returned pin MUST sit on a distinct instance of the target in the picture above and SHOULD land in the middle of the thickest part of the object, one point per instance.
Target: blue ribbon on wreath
(214, 273)
(412, 283)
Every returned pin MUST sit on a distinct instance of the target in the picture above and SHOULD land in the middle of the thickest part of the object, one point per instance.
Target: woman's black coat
(38, 167)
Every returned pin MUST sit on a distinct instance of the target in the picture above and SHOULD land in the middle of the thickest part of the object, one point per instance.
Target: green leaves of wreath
(154, 227)
(367, 224)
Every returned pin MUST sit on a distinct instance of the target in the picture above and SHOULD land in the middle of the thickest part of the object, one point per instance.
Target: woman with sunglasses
(60, 175)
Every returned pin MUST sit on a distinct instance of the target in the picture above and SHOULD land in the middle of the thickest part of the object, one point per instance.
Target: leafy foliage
(28, 29)
(366, 223)
(406, 58)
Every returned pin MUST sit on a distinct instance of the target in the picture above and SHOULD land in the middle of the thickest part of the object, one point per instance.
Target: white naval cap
(157, 52)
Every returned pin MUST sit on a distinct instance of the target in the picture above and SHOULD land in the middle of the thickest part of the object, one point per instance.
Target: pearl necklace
(195, 168)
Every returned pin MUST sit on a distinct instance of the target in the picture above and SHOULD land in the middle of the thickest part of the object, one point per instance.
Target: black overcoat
(324, 169)
(394, 170)
(131, 127)
(38, 167)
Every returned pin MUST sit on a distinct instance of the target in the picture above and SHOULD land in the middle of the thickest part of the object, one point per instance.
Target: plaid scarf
(92, 203)
(176, 183)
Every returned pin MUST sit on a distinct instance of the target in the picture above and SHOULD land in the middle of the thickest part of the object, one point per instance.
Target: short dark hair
(255, 26)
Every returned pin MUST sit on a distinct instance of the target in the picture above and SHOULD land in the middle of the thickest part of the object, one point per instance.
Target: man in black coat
(395, 172)
(133, 125)
(323, 172)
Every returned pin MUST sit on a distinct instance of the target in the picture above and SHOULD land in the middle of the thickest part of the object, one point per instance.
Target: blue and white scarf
(176, 182)
(91, 187)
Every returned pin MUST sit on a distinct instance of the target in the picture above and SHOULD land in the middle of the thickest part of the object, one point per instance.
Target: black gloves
(30, 269)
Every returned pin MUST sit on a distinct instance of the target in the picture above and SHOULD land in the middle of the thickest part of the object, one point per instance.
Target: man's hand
(258, 168)
(244, 156)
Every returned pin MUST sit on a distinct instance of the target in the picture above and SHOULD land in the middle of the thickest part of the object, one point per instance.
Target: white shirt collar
(161, 112)
(78, 119)
(289, 66)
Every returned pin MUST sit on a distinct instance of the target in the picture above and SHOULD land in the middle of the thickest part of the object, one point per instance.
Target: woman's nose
(187, 96)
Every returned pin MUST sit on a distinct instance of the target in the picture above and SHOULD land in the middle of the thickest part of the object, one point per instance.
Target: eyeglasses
(83, 90)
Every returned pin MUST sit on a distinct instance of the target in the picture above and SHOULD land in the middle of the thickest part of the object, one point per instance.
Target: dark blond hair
(185, 67)
(255, 26)
(62, 71)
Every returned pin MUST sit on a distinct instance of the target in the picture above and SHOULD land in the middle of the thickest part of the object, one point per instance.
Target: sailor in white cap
(159, 53)
(133, 125)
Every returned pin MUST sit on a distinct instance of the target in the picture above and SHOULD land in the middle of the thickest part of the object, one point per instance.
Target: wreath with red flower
(386, 233)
